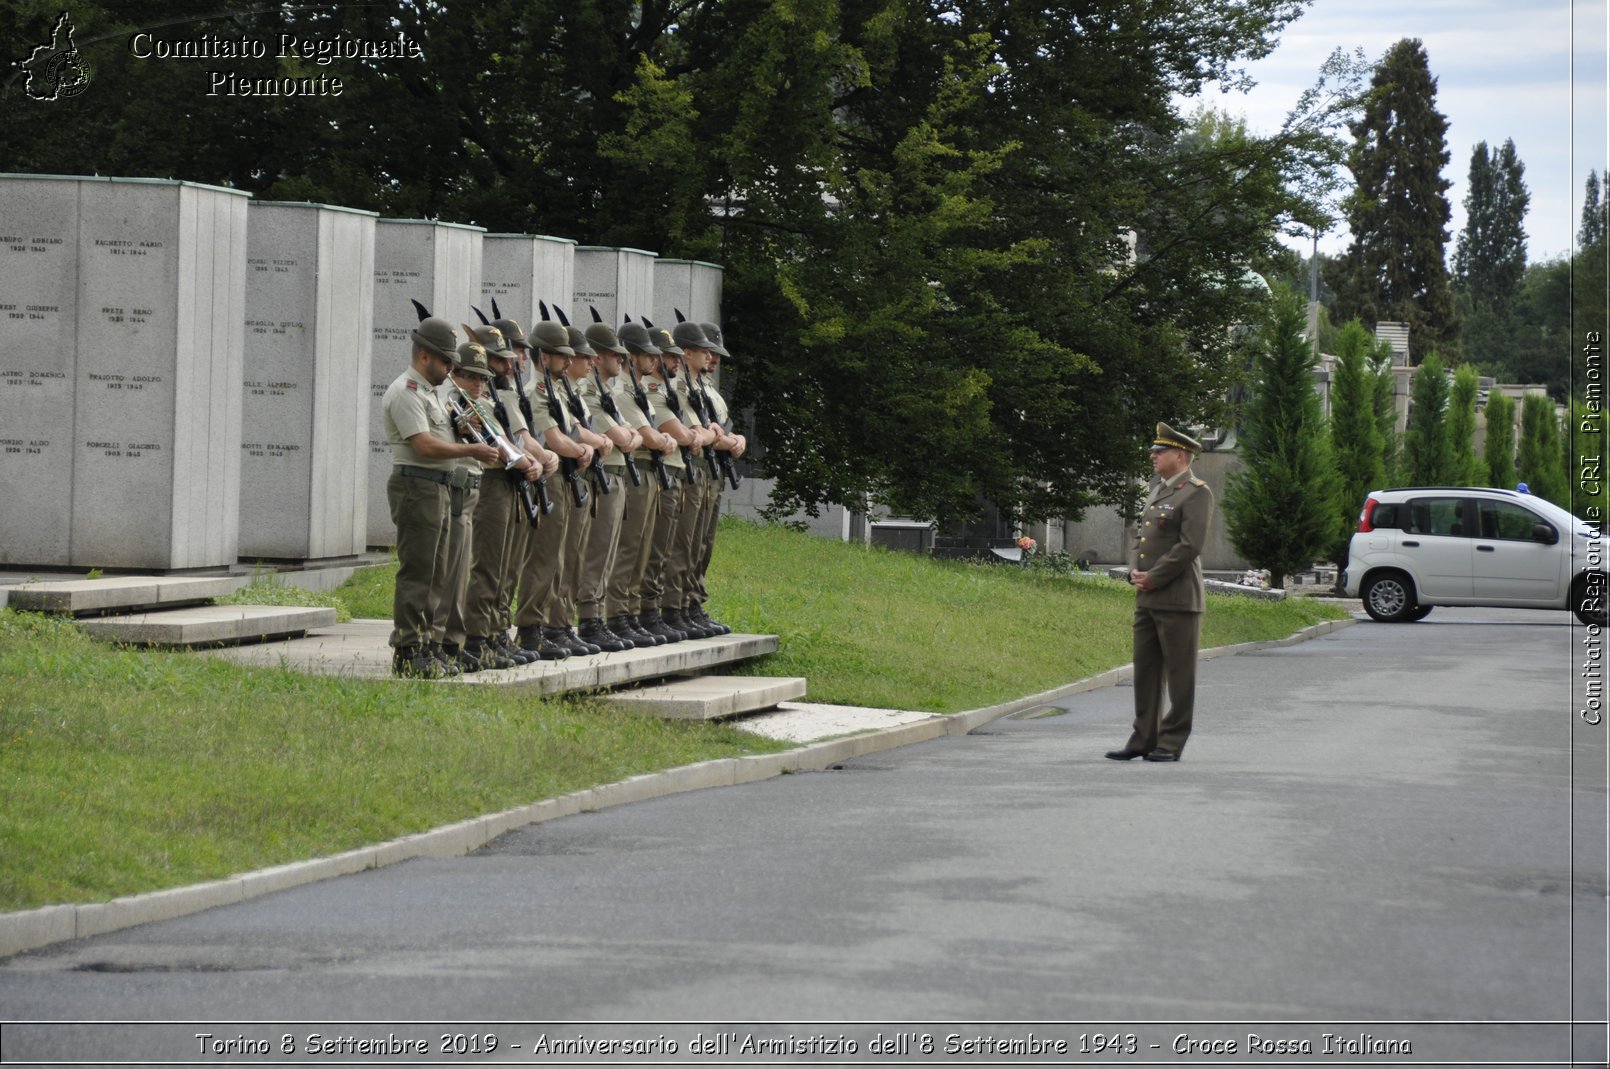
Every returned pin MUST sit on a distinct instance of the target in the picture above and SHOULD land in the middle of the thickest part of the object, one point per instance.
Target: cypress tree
(1427, 456)
(1498, 446)
(1593, 214)
(1490, 258)
(1386, 411)
(1464, 469)
(1355, 432)
(1541, 462)
(1281, 508)
(1398, 210)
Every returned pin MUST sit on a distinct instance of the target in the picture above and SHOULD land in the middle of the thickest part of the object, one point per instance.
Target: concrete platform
(207, 624)
(119, 593)
(805, 722)
(361, 648)
(710, 697)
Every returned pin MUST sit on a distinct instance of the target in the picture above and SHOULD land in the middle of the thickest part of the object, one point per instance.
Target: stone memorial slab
(140, 284)
(309, 337)
(691, 285)
(618, 282)
(520, 269)
(439, 265)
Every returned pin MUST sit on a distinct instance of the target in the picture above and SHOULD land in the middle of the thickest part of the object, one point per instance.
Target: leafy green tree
(1465, 469)
(1398, 212)
(1585, 464)
(1427, 452)
(1540, 461)
(1355, 432)
(1498, 443)
(1281, 508)
(1384, 387)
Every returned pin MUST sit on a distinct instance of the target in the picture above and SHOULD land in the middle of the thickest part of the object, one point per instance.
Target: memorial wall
(120, 413)
(309, 307)
(185, 370)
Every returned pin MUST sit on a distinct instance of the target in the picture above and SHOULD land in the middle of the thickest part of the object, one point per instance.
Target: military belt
(457, 479)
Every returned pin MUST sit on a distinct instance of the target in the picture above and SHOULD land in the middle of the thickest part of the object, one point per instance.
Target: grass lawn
(125, 770)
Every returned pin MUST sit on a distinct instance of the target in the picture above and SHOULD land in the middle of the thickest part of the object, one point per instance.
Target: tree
(1464, 469)
(1594, 210)
(1281, 508)
(1498, 444)
(1398, 212)
(1491, 255)
(1585, 462)
(1427, 452)
(1385, 387)
(1355, 432)
(1540, 462)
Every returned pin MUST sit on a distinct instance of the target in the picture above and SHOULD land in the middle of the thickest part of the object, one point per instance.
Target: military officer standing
(458, 393)
(424, 455)
(658, 573)
(1166, 570)
(598, 391)
(659, 464)
(733, 445)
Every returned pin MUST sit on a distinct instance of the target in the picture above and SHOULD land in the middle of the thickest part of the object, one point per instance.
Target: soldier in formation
(562, 484)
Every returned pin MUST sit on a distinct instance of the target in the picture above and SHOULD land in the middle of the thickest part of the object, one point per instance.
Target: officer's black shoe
(626, 627)
(466, 661)
(529, 641)
(566, 640)
(414, 662)
(536, 640)
(449, 666)
(692, 617)
(674, 619)
(654, 623)
(1160, 754)
(510, 649)
(641, 635)
(619, 635)
(487, 654)
(1124, 755)
(594, 632)
(576, 641)
(715, 625)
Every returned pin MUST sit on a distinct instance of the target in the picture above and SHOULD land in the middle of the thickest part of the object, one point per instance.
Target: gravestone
(439, 265)
(691, 285)
(122, 309)
(309, 315)
(520, 269)
(618, 282)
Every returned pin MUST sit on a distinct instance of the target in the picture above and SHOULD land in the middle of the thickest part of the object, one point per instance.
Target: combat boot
(414, 662)
(654, 623)
(594, 632)
(535, 640)
(513, 650)
(626, 625)
(487, 654)
(461, 658)
(704, 618)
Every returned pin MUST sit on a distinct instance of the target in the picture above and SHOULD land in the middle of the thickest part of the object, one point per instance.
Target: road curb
(34, 928)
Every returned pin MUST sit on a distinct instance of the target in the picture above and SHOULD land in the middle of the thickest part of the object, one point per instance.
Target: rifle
(689, 472)
(661, 472)
(569, 467)
(600, 476)
(484, 435)
(727, 468)
(704, 414)
(613, 412)
(544, 500)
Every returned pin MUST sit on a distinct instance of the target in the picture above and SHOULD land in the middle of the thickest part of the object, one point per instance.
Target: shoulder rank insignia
(412, 385)
(653, 387)
(542, 388)
(1197, 482)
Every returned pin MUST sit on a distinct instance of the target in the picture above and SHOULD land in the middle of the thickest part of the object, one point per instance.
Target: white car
(1462, 545)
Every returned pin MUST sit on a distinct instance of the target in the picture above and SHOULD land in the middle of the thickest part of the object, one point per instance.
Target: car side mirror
(1545, 534)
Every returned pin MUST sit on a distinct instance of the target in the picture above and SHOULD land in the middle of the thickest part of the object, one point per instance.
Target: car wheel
(1599, 595)
(1389, 598)
(1420, 612)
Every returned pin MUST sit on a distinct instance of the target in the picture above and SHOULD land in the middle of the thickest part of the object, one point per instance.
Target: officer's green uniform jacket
(602, 422)
(1169, 541)
(410, 406)
(654, 390)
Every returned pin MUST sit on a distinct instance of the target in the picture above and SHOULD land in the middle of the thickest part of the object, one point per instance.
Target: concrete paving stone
(297, 873)
(811, 721)
(208, 623)
(710, 697)
(31, 928)
(129, 592)
(757, 767)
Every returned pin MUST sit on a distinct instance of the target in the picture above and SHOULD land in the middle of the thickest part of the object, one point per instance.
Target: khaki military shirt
(718, 404)
(1168, 545)
(541, 414)
(602, 422)
(514, 420)
(410, 406)
(654, 389)
(489, 420)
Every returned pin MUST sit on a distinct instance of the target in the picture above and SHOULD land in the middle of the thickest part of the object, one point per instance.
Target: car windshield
(1560, 517)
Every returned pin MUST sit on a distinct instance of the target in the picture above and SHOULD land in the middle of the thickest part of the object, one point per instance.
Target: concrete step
(204, 625)
(360, 648)
(118, 593)
(710, 697)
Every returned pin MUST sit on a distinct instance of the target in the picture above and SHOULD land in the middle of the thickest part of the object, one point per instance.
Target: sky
(1533, 71)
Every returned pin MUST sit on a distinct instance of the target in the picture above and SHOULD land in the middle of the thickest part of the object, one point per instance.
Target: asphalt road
(1388, 825)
